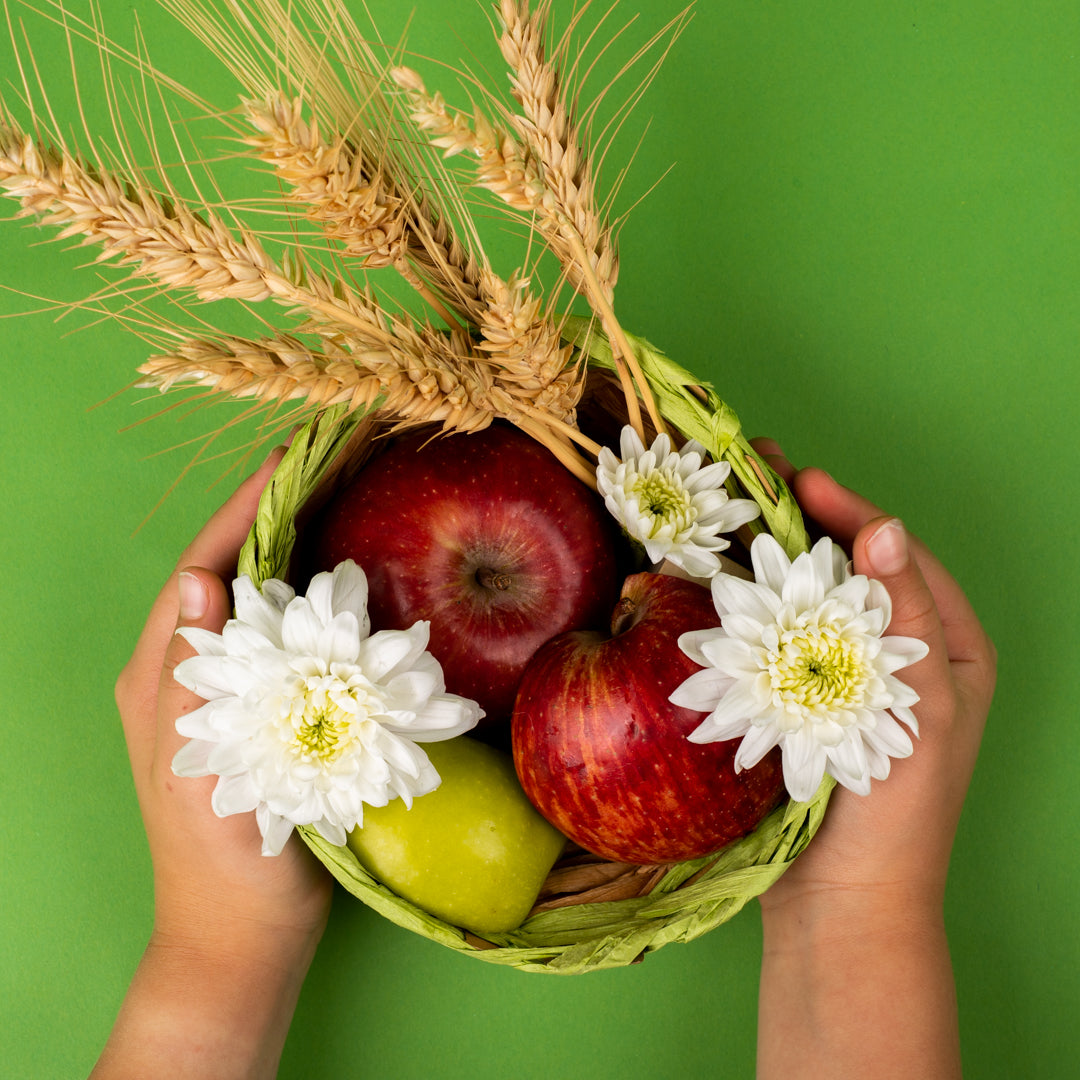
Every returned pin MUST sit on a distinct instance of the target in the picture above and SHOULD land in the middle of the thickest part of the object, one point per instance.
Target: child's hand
(901, 834)
(856, 979)
(234, 931)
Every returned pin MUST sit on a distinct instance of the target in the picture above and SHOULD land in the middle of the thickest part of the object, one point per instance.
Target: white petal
(711, 730)
(216, 676)
(390, 651)
(702, 690)
(350, 591)
(693, 642)
(320, 596)
(889, 737)
(275, 830)
(757, 742)
(739, 705)
(234, 795)
(804, 765)
(277, 593)
(878, 597)
(204, 642)
(900, 652)
(803, 589)
(732, 594)
(737, 512)
(848, 761)
(830, 563)
(711, 477)
(331, 832)
(199, 723)
(259, 611)
(695, 561)
(445, 716)
(907, 716)
(411, 689)
(301, 624)
(852, 592)
(770, 562)
(190, 759)
(229, 758)
(859, 784)
(746, 628)
(730, 655)
(339, 642)
(242, 639)
(659, 548)
(630, 446)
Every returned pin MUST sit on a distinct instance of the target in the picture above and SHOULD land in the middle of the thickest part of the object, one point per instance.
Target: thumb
(204, 603)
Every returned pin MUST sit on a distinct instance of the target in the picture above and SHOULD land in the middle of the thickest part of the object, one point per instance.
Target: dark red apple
(603, 754)
(489, 537)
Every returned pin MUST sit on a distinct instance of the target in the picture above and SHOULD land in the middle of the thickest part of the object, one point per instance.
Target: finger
(216, 547)
(769, 450)
(839, 510)
(882, 550)
(203, 601)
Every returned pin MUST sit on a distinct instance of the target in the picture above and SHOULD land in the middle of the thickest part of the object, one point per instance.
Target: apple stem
(623, 616)
(493, 579)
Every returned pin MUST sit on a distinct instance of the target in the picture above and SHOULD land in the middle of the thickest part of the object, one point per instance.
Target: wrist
(856, 983)
(215, 1002)
(810, 914)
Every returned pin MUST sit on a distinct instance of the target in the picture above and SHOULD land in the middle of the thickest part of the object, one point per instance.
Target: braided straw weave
(590, 914)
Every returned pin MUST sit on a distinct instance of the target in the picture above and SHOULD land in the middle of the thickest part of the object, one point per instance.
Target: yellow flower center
(321, 730)
(664, 498)
(818, 670)
(324, 734)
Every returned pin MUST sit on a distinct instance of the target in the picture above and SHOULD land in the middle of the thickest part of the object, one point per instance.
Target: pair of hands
(217, 898)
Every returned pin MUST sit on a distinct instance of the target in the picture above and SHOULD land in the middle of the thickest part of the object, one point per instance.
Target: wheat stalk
(568, 201)
(358, 205)
(541, 167)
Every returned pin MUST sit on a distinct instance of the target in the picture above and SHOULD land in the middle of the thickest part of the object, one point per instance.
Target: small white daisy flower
(309, 715)
(671, 503)
(800, 661)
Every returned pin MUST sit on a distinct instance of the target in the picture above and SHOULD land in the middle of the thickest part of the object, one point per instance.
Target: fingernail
(194, 599)
(279, 449)
(887, 549)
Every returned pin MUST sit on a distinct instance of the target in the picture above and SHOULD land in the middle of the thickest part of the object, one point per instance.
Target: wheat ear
(574, 224)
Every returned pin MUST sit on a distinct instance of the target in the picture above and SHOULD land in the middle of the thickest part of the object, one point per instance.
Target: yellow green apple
(474, 852)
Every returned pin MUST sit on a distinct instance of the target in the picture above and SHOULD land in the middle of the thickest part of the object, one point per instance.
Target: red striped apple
(485, 535)
(604, 755)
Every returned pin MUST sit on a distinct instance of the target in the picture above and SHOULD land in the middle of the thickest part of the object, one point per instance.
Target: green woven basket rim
(594, 936)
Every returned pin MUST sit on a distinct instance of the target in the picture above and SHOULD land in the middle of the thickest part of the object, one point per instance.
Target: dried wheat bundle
(379, 175)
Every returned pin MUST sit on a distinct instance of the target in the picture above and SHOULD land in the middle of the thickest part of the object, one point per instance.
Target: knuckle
(124, 690)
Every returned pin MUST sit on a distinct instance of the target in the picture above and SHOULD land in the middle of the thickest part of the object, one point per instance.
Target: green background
(868, 242)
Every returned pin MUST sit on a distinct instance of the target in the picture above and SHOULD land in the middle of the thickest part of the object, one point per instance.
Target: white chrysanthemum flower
(670, 503)
(800, 661)
(309, 715)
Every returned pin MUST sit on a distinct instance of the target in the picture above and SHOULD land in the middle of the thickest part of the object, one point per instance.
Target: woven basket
(590, 914)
